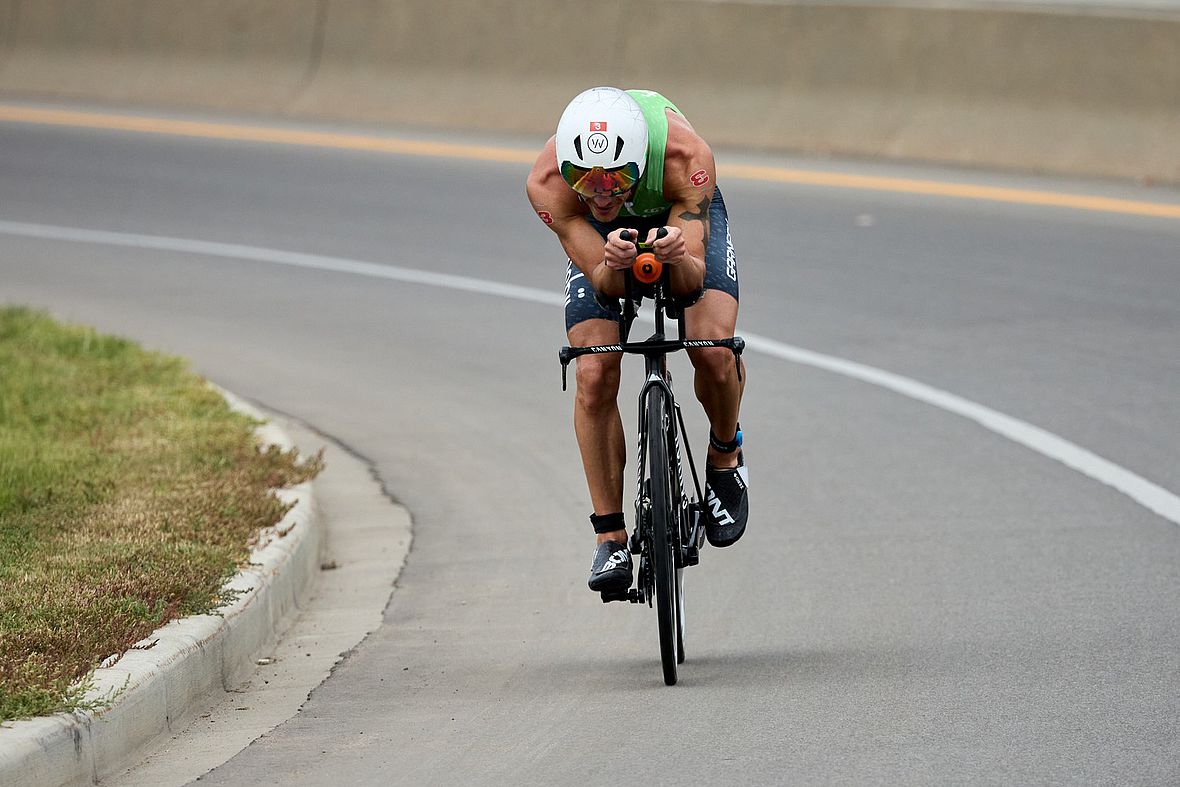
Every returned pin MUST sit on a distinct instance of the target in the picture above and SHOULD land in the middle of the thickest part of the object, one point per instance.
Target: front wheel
(663, 521)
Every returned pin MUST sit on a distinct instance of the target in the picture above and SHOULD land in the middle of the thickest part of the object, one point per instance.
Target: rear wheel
(664, 521)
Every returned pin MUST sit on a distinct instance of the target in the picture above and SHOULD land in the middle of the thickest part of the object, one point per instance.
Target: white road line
(1149, 495)
(1139, 489)
(237, 252)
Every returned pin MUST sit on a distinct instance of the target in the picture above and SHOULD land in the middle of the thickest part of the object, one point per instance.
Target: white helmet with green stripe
(602, 142)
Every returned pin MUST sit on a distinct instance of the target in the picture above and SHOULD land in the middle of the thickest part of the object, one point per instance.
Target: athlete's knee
(714, 366)
(598, 383)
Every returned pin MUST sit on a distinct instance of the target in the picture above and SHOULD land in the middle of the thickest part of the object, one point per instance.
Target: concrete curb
(165, 677)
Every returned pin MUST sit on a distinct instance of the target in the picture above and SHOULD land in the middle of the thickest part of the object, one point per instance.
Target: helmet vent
(578, 145)
(618, 148)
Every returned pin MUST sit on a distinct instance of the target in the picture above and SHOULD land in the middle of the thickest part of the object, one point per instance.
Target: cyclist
(630, 161)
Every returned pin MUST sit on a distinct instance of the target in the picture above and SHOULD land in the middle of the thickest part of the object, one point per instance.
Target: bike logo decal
(545, 216)
(598, 125)
(680, 474)
(699, 178)
(597, 143)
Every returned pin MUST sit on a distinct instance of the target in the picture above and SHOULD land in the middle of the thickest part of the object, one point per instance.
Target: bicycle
(669, 526)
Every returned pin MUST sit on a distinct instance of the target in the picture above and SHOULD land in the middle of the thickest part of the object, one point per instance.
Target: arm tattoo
(702, 215)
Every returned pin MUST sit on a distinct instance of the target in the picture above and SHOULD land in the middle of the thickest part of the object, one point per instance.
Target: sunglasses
(600, 182)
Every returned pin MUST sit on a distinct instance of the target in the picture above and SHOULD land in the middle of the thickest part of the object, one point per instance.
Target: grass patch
(129, 493)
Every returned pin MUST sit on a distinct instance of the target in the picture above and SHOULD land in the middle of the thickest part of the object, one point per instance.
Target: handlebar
(646, 268)
(653, 346)
(629, 236)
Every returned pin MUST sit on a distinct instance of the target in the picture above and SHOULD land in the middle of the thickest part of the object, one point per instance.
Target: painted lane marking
(955, 190)
(234, 251)
(268, 134)
(375, 144)
(1149, 495)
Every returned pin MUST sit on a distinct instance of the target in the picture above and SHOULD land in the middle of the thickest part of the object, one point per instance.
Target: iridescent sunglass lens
(599, 182)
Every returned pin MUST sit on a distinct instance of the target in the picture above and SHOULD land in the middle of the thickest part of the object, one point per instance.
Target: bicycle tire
(680, 615)
(680, 533)
(662, 521)
(679, 608)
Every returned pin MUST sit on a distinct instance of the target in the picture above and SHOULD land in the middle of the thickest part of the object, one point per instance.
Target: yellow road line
(339, 141)
(282, 136)
(956, 190)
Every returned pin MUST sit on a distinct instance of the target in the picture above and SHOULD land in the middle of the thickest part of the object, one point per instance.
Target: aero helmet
(602, 142)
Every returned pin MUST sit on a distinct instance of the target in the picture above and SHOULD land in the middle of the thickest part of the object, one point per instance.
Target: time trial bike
(669, 520)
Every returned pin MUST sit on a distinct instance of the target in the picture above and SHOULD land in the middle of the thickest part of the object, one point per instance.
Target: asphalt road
(918, 599)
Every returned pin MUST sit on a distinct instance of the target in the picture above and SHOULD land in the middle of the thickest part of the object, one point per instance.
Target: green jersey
(649, 191)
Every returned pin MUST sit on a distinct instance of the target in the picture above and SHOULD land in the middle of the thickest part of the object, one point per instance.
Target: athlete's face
(603, 190)
(605, 207)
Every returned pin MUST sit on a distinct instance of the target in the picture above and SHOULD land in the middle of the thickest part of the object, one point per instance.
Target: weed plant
(129, 495)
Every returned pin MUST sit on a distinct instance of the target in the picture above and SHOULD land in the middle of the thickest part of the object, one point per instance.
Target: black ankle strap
(608, 523)
(726, 448)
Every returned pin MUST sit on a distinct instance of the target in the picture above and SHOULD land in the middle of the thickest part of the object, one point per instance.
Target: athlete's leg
(720, 392)
(714, 316)
(718, 384)
(716, 381)
(597, 423)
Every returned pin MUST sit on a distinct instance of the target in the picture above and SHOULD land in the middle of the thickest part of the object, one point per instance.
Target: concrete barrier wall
(232, 54)
(1095, 93)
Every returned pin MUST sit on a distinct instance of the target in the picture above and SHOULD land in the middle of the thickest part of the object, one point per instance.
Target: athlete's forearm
(688, 276)
(607, 281)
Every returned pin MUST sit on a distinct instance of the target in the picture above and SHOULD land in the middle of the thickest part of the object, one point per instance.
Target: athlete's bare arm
(689, 175)
(559, 207)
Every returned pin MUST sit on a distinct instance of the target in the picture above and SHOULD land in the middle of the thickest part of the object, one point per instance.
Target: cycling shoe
(612, 568)
(726, 503)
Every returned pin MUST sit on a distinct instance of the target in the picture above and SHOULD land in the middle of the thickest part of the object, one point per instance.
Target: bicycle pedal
(614, 595)
(692, 556)
(635, 596)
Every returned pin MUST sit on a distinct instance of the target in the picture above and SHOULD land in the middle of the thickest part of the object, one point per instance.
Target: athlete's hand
(619, 253)
(670, 249)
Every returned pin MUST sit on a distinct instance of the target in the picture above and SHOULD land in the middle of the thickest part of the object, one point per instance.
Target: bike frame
(658, 382)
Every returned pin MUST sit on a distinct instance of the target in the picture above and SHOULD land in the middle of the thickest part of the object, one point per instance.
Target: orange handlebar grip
(647, 268)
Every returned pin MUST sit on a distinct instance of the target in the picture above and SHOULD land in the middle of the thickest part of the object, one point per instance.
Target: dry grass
(128, 494)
